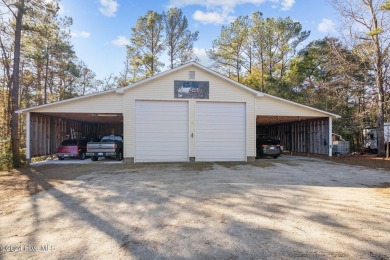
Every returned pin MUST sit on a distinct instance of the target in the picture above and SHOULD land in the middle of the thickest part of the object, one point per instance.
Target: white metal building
(189, 113)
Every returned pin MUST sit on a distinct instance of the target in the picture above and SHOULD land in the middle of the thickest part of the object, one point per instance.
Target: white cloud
(81, 34)
(212, 17)
(287, 4)
(108, 7)
(229, 4)
(219, 11)
(202, 55)
(326, 26)
(120, 41)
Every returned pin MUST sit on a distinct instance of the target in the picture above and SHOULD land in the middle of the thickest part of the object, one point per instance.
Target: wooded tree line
(38, 66)
(347, 76)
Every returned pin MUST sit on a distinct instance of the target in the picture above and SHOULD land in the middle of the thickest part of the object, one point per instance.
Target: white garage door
(220, 131)
(161, 131)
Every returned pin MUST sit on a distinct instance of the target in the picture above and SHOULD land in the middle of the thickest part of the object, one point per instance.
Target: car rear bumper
(101, 154)
(67, 155)
(270, 152)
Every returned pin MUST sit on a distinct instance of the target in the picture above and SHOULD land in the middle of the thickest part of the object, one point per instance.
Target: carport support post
(28, 136)
(330, 143)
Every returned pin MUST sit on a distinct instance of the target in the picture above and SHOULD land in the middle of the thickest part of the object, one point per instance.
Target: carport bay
(298, 134)
(48, 130)
(301, 129)
(48, 125)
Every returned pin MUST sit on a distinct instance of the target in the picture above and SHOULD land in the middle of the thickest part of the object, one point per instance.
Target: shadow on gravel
(170, 211)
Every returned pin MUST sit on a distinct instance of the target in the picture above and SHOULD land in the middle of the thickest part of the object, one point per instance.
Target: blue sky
(101, 28)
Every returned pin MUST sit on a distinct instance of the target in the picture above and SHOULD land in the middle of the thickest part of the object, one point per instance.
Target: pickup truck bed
(109, 146)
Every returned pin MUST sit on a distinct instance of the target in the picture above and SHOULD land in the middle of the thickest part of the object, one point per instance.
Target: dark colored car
(72, 148)
(109, 146)
(268, 146)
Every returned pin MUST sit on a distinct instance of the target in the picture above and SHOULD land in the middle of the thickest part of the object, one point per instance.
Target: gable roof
(162, 74)
(20, 111)
(303, 106)
(189, 64)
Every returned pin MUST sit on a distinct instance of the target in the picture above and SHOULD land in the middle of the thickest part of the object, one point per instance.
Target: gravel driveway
(292, 207)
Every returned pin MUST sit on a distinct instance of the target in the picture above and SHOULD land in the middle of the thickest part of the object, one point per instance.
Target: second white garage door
(161, 131)
(220, 131)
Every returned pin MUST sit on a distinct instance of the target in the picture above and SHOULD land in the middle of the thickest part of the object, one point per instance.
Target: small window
(108, 138)
(191, 74)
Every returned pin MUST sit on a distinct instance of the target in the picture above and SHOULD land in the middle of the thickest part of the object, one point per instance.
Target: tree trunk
(39, 83)
(250, 61)
(379, 80)
(238, 69)
(152, 53)
(15, 142)
(262, 72)
(282, 67)
(47, 74)
(171, 59)
(8, 86)
(380, 120)
(171, 47)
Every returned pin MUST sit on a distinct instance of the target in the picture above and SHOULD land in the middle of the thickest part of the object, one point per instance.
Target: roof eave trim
(142, 81)
(254, 92)
(304, 106)
(21, 111)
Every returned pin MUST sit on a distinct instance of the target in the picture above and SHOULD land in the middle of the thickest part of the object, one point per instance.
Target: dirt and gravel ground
(367, 160)
(292, 207)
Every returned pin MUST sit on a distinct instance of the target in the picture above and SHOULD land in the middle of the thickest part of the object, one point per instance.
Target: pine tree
(179, 39)
(146, 42)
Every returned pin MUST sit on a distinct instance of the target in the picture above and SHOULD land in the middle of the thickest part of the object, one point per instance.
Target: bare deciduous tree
(365, 21)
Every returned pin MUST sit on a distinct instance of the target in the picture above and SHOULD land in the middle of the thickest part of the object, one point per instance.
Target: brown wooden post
(290, 137)
(34, 140)
(330, 141)
(43, 140)
(301, 141)
(295, 137)
(39, 135)
(51, 136)
(307, 136)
